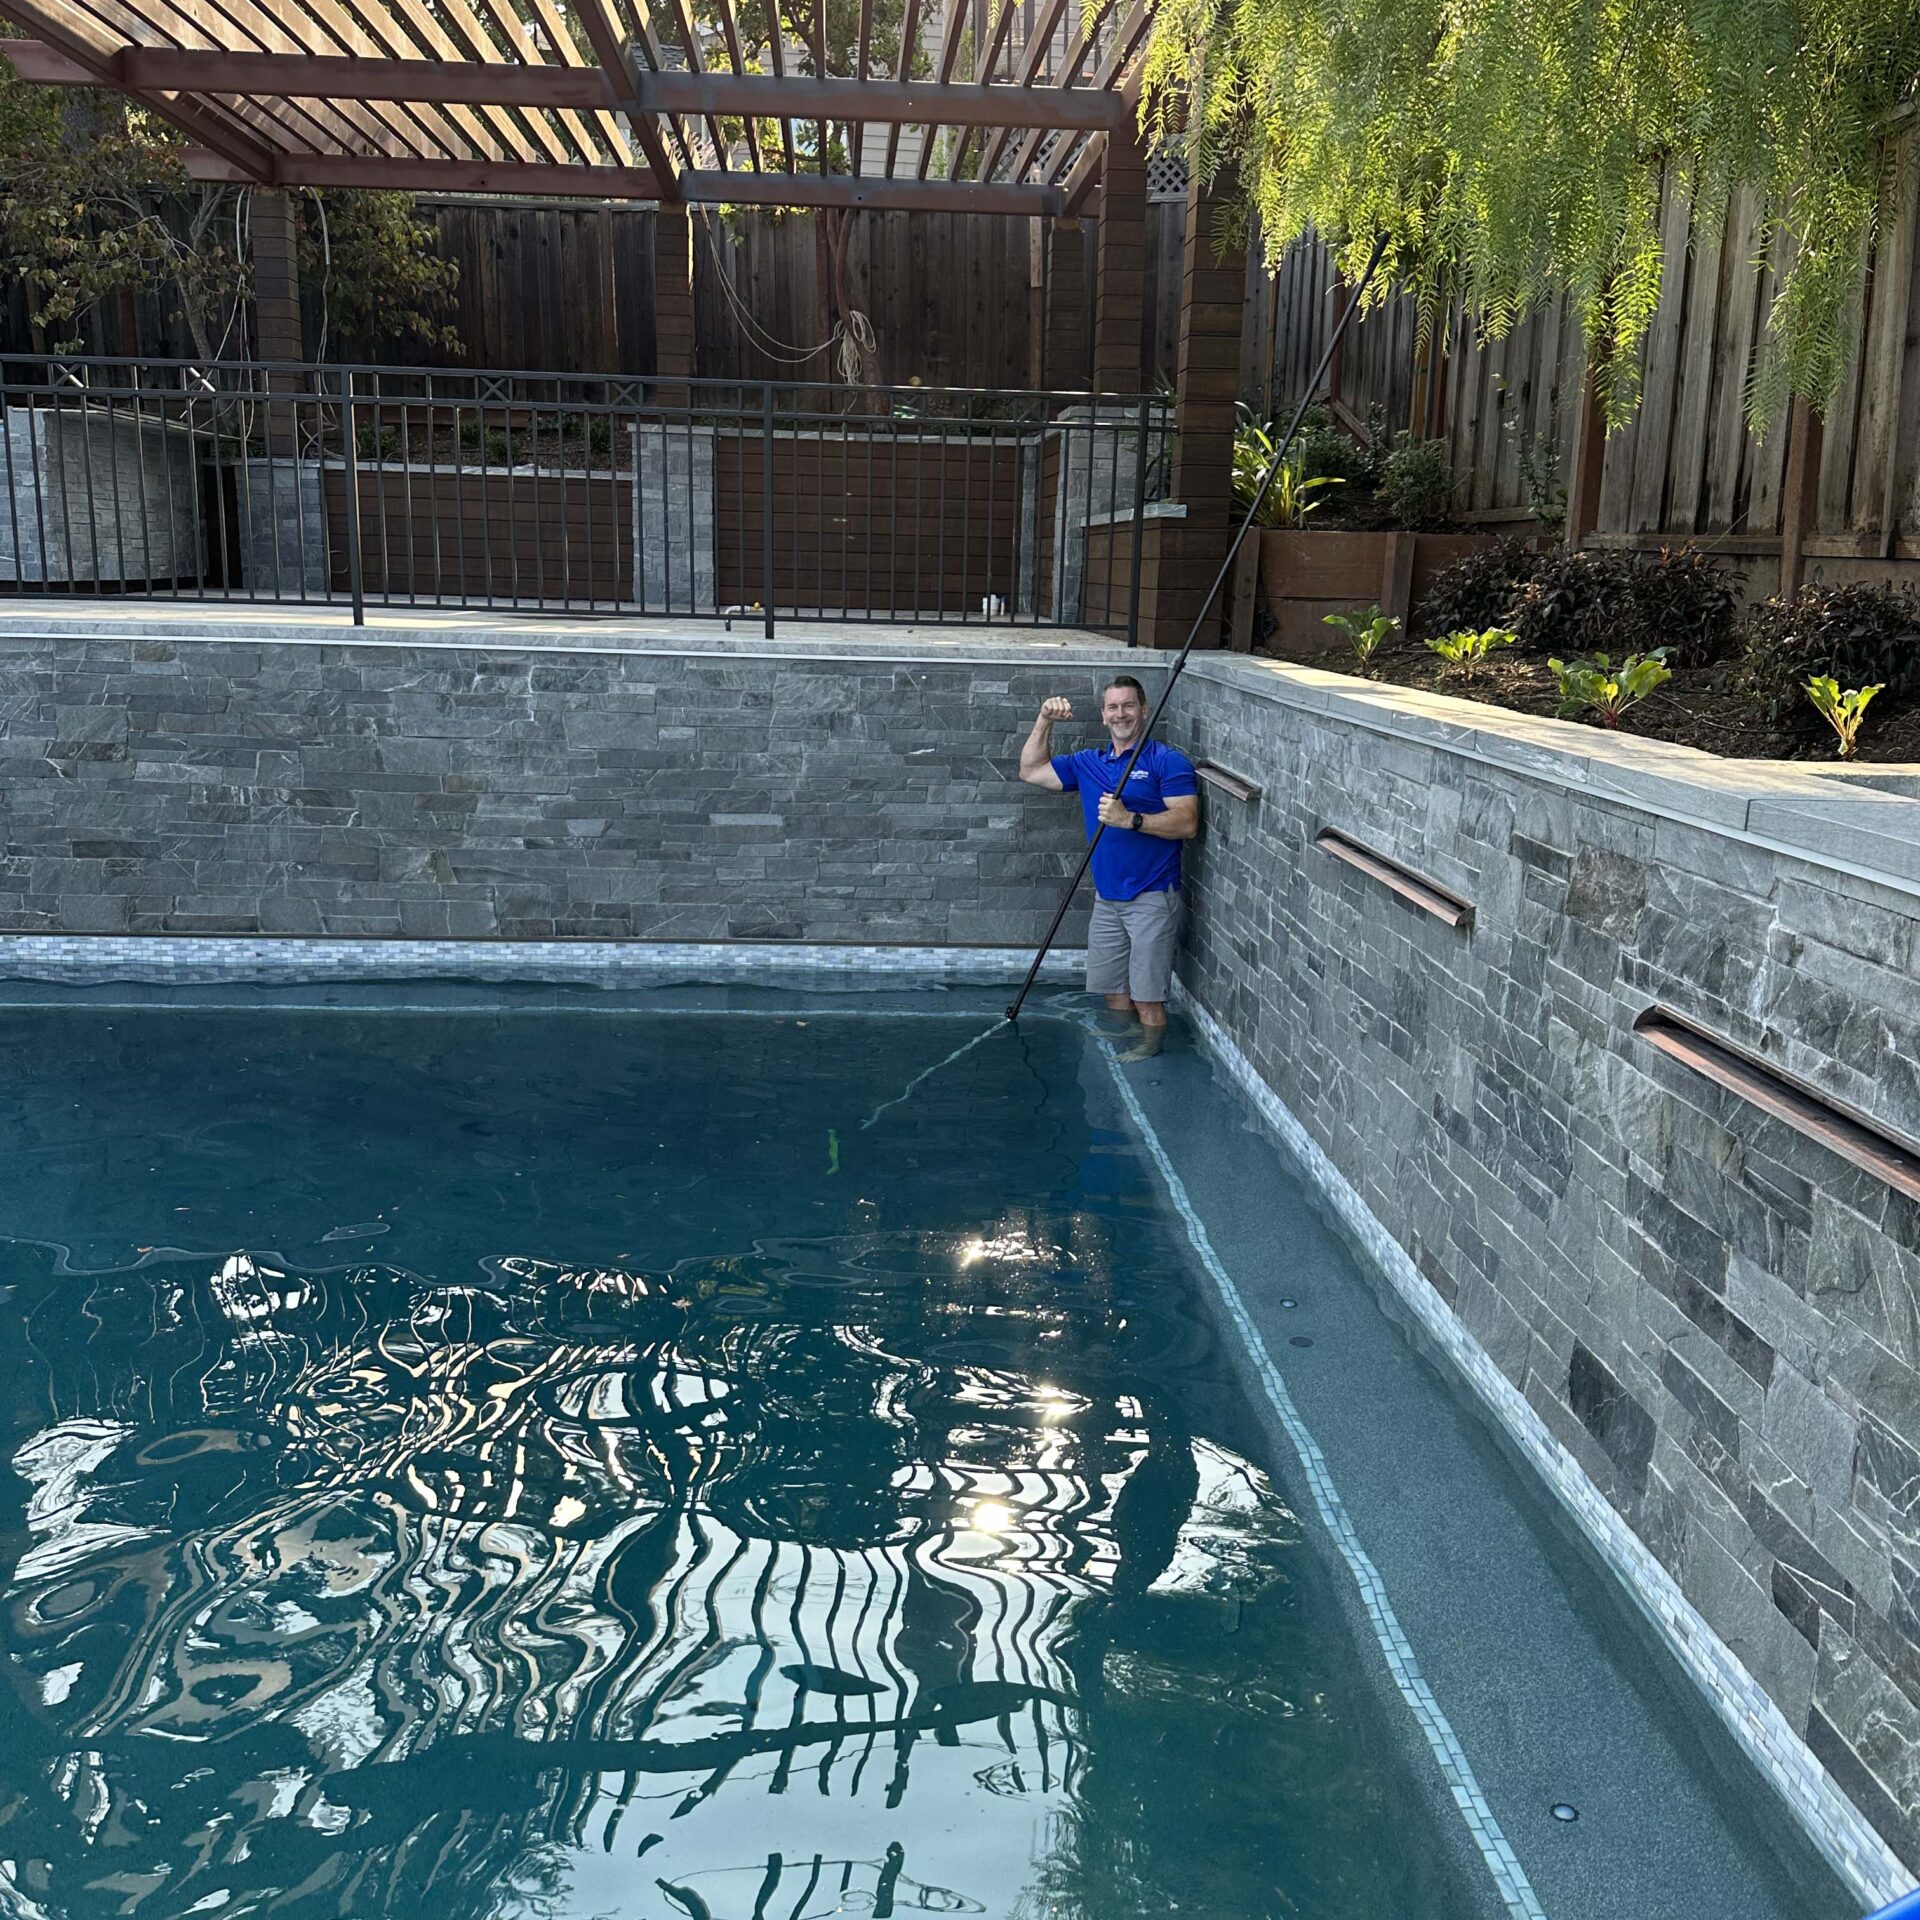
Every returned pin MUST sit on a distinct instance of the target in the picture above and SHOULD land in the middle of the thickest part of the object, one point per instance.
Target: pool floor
(515, 1453)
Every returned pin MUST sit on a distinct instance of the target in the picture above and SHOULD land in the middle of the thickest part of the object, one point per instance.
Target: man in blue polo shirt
(1136, 866)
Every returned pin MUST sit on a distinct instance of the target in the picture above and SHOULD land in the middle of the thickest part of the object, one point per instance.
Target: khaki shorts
(1130, 945)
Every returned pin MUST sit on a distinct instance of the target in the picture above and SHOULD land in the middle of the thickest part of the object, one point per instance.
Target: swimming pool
(490, 1452)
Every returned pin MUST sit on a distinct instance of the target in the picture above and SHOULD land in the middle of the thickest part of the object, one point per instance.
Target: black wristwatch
(1136, 822)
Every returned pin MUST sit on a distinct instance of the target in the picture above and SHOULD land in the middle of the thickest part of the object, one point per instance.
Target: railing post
(766, 506)
(1139, 521)
(356, 580)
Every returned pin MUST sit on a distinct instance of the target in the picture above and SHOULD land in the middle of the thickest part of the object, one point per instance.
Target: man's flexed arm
(1036, 754)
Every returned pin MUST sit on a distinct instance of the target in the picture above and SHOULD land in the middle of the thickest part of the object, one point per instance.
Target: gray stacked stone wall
(1717, 1316)
(159, 785)
(98, 497)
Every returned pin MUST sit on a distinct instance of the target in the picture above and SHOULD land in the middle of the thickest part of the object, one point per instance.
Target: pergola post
(1188, 553)
(276, 302)
(673, 299)
(1065, 360)
(1119, 322)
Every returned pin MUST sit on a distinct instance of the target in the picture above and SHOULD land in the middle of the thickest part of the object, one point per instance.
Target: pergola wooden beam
(983, 66)
(887, 102)
(142, 70)
(218, 131)
(709, 186)
(614, 51)
(1031, 57)
(873, 192)
(909, 42)
(379, 172)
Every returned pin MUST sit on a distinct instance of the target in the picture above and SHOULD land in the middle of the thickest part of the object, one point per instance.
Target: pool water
(538, 1459)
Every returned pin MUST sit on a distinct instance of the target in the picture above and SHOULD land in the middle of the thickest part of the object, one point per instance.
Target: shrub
(1417, 483)
(1687, 604)
(1322, 451)
(1478, 591)
(1592, 686)
(1678, 601)
(1859, 633)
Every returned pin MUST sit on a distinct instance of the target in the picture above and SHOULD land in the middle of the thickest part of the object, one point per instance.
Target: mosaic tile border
(103, 959)
(1509, 1876)
(1835, 1825)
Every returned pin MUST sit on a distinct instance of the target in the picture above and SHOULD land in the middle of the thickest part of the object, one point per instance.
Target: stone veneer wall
(162, 785)
(1719, 1318)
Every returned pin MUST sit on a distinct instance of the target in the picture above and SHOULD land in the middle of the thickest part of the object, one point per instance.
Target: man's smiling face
(1121, 711)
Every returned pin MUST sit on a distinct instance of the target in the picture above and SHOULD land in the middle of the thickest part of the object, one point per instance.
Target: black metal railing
(465, 488)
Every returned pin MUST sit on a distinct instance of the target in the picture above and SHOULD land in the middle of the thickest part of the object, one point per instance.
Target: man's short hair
(1126, 680)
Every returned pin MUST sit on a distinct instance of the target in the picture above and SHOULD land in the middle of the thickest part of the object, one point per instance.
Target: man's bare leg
(1152, 1015)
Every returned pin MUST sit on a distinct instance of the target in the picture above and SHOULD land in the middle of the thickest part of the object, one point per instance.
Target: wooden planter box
(1307, 573)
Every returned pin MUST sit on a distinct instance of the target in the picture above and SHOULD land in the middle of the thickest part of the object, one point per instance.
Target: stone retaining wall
(1718, 1317)
(243, 786)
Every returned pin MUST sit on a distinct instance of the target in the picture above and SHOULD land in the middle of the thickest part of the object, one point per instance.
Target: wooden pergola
(606, 99)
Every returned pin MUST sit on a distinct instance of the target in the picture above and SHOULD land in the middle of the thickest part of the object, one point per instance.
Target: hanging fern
(1512, 149)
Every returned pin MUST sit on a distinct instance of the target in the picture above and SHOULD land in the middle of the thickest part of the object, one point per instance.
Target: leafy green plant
(1468, 649)
(1842, 709)
(378, 443)
(1417, 483)
(1252, 456)
(1478, 591)
(1680, 599)
(1858, 633)
(1593, 686)
(1292, 497)
(1325, 452)
(1506, 155)
(1367, 633)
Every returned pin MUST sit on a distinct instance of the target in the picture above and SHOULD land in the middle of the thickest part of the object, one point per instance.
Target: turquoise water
(558, 1463)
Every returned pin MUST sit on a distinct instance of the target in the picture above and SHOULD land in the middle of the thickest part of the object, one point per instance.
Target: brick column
(1212, 314)
(1066, 362)
(673, 299)
(276, 300)
(1120, 275)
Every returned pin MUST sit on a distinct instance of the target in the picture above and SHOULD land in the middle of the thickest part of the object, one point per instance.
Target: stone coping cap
(503, 630)
(1833, 818)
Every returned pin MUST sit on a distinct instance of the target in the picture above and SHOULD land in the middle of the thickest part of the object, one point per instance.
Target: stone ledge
(1838, 823)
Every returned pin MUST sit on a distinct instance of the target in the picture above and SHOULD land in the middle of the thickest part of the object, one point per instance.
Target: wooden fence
(1686, 466)
(566, 286)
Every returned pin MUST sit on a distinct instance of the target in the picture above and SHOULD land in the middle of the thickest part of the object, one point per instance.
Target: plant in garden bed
(1857, 633)
(1478, 591)
(1592, 686)
(1295, 491)
(1368, 633)
(1467, 650)
(1843, 709)
(1417, 483)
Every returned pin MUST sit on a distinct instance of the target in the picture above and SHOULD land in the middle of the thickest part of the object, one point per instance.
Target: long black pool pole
(1219, 580)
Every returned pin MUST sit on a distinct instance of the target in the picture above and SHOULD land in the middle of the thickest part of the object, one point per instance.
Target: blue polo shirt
(1127, 864)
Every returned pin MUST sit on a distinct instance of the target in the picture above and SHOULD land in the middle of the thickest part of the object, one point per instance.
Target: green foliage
(1506, 153)
(1680, 600)
(1843, 710)
(1417, 483)
(1857, 633)
(1592, 686)
(1324, 452)
(1292, 496)
(1368, 633)
(95, 204)
(377, 443)
(1468, 649)
(1478, 591)
(380, 276)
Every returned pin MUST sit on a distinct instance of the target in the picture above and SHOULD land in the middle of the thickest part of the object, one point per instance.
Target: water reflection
(345, 1590)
